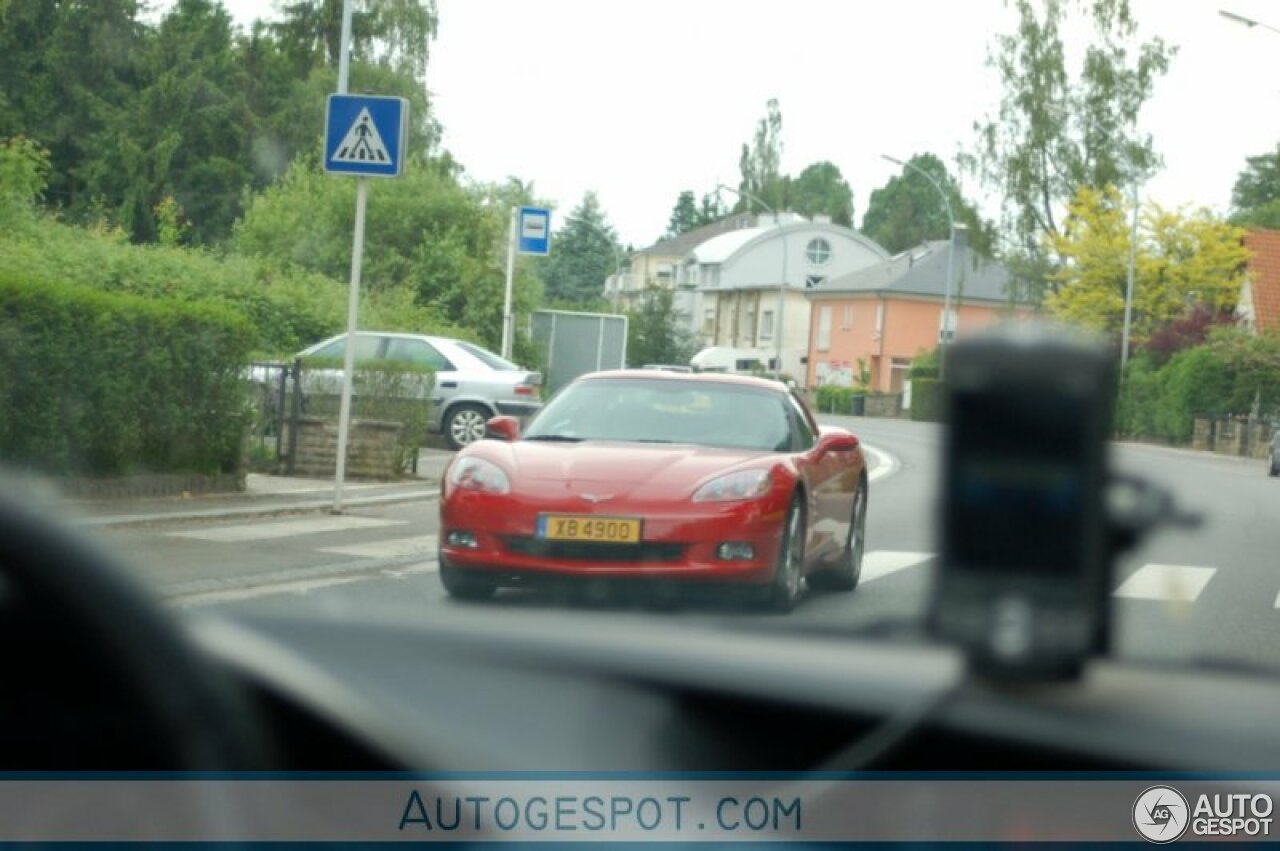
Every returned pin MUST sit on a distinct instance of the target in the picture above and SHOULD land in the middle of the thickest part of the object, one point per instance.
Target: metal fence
(277, 404)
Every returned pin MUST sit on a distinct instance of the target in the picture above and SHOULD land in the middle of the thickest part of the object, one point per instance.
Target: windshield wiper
(555, 438)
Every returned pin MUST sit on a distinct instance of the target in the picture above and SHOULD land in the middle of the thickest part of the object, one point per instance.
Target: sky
(640, 100)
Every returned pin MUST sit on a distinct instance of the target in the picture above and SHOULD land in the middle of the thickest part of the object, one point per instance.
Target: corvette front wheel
(787, 579)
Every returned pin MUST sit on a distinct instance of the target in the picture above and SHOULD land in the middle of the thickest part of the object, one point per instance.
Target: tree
(689, 214)
(908, 210)
(760, 163)
(711, 209)
(685, 215)
(655, 332)
(1058, 129)
(427, 235)
(68, 69)
(822, 189)
(1183, 261)
(1255, 198)
(392, 33)
(1259, 183)
(185, 133)
(583, 254)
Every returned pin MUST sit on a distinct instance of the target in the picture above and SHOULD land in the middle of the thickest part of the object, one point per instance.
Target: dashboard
(483, 691)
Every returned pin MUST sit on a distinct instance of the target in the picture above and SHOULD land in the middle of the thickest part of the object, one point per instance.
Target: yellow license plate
(586, 527)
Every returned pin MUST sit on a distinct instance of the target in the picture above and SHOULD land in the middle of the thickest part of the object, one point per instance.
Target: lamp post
(782, 284)
(951, 259)
(617, 257)
(1248, 22)
(1128, 288)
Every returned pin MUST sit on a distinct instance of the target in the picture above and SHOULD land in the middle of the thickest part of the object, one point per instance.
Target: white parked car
(472, 384)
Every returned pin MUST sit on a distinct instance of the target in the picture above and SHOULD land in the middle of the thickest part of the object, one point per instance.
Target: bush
(101, 384)
(833, 399)
(288, 308)
(926, 400)
(1139, 398)
(1195, 381)
(924, 365)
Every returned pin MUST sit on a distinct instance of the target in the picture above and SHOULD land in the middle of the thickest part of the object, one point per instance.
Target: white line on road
(886, 464)
(387, 548)
(880, 563)
(287, 529)
(1176, 582)
(299, 587)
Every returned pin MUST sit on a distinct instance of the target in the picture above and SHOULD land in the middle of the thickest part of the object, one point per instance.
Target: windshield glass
(830, 195)
(656, 411)
(486, 357)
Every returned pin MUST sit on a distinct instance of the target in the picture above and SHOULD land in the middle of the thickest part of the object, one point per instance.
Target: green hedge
(831, 398)
(103, 384)
(926, 400)
(288, 307)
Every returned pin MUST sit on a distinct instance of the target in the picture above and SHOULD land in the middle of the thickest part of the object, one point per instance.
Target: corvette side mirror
(502, 428)
(837, 441)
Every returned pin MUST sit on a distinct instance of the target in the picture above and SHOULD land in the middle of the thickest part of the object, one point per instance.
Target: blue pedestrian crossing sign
(365, 135)
(534, 231)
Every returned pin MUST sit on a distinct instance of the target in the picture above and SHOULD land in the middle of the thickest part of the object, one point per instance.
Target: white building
(729, 285)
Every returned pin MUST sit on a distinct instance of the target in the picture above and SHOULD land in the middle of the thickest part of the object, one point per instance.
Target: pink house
(887, 314)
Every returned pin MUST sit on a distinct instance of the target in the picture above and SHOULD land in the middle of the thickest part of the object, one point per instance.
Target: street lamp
(617, 257)
(1128, 290)
(782, 284)
(1248, 22)
(951, 259)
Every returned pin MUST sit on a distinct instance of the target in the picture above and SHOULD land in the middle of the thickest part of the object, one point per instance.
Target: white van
(734, 361)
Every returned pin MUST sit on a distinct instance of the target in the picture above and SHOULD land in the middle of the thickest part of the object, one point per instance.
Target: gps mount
(1033, 520)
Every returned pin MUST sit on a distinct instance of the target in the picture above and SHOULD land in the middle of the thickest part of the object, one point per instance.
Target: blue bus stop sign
(533, 232)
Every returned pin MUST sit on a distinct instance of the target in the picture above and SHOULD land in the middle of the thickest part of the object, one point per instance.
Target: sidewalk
(263, 495)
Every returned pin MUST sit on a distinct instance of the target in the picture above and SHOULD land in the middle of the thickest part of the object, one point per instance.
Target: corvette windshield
(658, 411)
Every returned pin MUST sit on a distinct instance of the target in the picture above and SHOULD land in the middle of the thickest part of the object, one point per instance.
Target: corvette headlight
(746, 484)
(478, 474)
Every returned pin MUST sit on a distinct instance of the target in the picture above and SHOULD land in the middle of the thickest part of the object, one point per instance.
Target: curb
(247, 511)
(1187, 452)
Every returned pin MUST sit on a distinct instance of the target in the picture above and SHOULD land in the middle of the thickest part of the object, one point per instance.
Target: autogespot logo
(1160, 814)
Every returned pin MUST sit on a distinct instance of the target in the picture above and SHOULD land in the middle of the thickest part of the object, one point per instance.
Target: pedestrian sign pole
(529, 232)
(364, 137)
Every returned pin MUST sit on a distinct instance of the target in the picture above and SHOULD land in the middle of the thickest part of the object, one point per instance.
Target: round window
(818, 251)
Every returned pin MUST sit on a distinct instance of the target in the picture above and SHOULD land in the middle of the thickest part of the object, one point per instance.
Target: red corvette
(639, 475)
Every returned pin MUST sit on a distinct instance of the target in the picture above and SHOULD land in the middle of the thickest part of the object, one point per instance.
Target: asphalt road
(1209, 594)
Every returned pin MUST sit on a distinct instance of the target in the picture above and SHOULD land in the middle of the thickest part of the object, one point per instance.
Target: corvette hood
(622, 464)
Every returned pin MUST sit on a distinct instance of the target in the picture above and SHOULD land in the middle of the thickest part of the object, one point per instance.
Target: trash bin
(858, 405)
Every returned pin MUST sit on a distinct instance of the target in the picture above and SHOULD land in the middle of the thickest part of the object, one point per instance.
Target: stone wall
(373, 448)
(1232, 436)
(884, 405)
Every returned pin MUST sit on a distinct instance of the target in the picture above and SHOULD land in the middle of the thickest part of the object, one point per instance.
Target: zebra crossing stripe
(284, 529)
(880, 563)
(1173, 582)
(388, 548)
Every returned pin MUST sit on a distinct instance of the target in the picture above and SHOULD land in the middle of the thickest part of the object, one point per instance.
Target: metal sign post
(507, 319)
(364, 136)
(349, 351)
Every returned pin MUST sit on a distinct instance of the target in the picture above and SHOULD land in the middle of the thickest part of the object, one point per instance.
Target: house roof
(922, 271)
(720, 248)
(1264, 276)
(679, 246)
